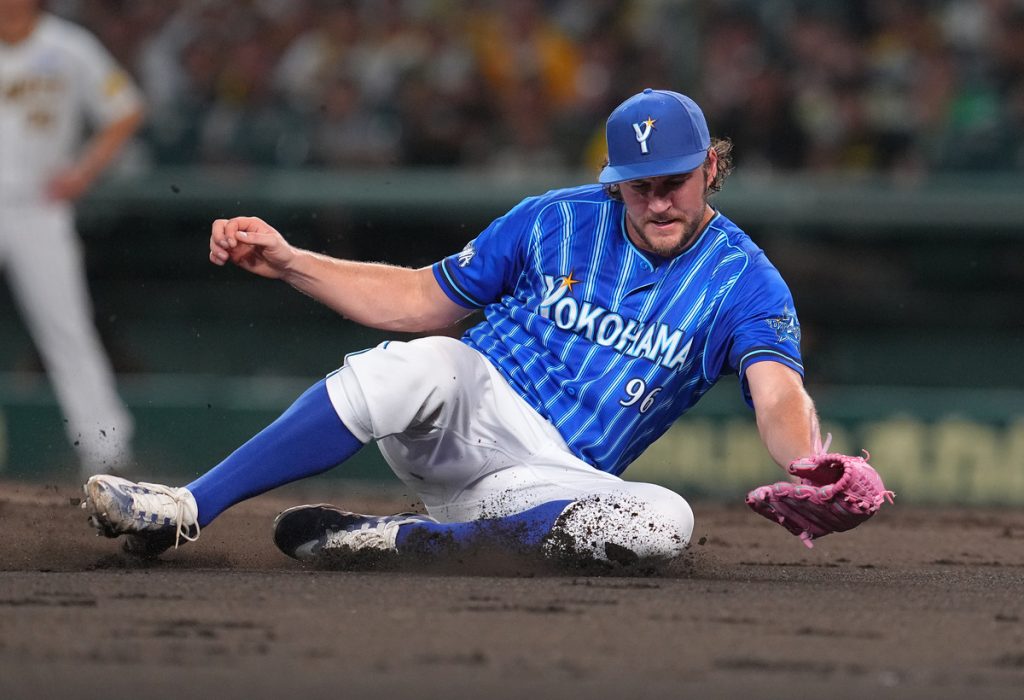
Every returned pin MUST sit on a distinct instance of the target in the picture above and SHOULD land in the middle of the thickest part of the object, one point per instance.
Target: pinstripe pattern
(608, 344)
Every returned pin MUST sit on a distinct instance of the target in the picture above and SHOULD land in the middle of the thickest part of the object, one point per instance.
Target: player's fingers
(218, 235)
(221, 234)
(260, 238)
(251, 230)
(231, 232)
(218, 243)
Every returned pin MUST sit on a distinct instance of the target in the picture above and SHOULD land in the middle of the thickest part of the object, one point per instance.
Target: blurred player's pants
(456, 433)
(42, 258)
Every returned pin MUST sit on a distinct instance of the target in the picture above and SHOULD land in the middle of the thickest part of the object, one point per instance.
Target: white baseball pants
(455, 432)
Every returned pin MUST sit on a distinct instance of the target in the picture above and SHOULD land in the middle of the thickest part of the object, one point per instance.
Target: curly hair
(723, 147)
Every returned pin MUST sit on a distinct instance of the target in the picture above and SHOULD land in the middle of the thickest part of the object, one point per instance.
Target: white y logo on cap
(643, 134)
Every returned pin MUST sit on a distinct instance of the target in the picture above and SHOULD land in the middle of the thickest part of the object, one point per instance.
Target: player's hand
(68, 185)
(252, 244)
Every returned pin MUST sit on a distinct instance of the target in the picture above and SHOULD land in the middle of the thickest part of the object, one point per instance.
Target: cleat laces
(152, 499)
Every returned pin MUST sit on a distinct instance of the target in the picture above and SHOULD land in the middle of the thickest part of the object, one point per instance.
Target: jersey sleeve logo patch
(786, 327)
(466, 255)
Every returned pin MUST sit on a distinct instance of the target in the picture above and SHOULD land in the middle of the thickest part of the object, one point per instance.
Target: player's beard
(669, 247)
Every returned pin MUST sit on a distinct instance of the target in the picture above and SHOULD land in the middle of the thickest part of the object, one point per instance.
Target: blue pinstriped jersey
(607, 342)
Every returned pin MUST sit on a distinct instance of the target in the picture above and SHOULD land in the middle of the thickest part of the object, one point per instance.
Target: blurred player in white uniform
(56, 80)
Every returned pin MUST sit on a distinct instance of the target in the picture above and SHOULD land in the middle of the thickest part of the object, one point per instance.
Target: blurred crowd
(900, 86)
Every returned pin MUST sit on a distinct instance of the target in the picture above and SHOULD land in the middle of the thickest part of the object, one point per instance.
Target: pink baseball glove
(833, 493)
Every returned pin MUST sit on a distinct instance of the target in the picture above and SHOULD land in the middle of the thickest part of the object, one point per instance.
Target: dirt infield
(918, 603)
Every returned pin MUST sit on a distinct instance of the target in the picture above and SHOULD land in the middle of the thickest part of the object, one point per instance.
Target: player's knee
(647, 522)
(664, 523)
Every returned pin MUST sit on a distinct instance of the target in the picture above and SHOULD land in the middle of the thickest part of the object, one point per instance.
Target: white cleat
(155, 517)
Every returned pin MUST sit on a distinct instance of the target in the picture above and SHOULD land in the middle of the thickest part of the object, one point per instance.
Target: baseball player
(608, 311)
(54, 78)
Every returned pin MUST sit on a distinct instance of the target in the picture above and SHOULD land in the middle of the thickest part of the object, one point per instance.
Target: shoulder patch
(466, 255)
(786, 326)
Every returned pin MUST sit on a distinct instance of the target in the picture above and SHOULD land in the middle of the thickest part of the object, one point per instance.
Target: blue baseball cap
(653, 133)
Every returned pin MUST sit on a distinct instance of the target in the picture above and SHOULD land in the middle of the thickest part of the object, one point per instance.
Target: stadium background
(878, 147)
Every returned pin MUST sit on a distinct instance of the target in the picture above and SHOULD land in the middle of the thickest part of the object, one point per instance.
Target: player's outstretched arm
(786, 418)
(376, 295)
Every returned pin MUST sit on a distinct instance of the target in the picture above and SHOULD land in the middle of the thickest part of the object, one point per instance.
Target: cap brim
(652, 168)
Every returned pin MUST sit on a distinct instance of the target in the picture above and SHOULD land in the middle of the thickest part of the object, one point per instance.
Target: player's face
(665, 214)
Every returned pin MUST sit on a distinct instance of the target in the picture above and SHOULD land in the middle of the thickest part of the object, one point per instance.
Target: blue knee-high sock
(523, 531)
(307, 439)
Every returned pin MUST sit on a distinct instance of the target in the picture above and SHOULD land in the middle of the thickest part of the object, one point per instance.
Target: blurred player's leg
(48, 280)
